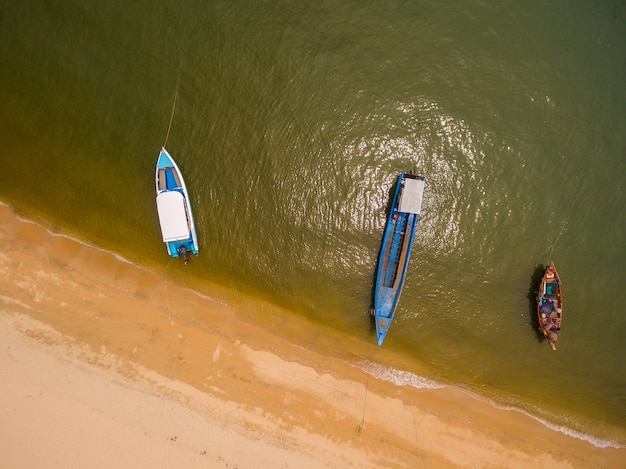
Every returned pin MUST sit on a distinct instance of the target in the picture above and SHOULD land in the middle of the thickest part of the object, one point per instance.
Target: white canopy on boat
(172, 216)
(411, 196)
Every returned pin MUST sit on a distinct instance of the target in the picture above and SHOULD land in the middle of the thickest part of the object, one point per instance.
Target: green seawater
(291, 120)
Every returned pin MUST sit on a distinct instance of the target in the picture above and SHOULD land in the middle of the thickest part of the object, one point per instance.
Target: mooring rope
(359, 427)
(169, 127)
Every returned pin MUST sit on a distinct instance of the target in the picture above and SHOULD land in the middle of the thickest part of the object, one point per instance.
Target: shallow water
(291, 122)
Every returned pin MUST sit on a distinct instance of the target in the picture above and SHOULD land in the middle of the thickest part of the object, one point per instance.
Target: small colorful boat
(550, 305)
(396, 249)
(174, 208)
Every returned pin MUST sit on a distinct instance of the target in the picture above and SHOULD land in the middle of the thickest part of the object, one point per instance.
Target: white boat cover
(411, 196)
(172, 216)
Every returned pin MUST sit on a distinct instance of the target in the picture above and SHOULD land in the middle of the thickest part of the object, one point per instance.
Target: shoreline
(67, 305)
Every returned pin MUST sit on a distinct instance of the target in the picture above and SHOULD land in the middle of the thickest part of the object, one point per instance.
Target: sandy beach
(105, 364)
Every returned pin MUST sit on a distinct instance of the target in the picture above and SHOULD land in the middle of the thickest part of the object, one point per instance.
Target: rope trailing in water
(169, 127)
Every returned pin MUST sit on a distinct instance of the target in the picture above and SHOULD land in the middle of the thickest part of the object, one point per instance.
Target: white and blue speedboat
(174, 208)
(396, 249)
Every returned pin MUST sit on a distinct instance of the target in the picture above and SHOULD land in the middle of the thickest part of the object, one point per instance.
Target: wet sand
(105, 364)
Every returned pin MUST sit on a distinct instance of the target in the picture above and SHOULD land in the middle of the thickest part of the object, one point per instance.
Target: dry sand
(104, 364)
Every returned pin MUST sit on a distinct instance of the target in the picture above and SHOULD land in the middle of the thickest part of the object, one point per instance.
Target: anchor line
(169, 127)
(359, 427)
(167, 297)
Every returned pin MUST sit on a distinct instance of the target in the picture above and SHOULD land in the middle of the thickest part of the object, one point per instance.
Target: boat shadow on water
(535, 279)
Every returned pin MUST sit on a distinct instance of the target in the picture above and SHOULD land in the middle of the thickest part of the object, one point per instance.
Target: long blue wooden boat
(174, 209)
(396, 249)
(550, 305)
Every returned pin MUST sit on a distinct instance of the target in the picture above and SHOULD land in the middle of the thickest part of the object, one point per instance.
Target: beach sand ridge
(106, 364)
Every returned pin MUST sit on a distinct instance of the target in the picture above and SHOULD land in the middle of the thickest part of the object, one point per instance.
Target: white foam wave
(405, 378)
(600, 443)
(399, 377)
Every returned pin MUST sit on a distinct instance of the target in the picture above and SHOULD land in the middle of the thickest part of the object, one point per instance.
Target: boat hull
(174, 209)
(550, 305)
(396, 249)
